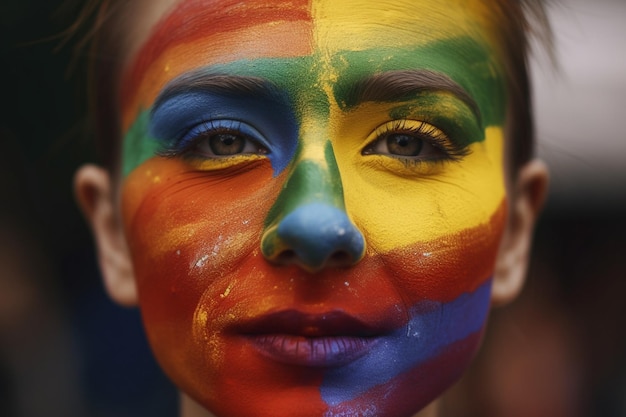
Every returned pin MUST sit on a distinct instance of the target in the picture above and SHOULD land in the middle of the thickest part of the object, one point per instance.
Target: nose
(308, 225)
(314, 236)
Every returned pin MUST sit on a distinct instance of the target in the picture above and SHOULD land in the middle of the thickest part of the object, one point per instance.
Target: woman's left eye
(411, 140)
(401, 144)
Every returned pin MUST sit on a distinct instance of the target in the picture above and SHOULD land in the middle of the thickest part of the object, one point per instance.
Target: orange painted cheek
(188, 231)
(186, 222)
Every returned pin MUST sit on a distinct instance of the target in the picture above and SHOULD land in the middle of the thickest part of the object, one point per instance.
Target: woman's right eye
(218, 139)
(226, 144)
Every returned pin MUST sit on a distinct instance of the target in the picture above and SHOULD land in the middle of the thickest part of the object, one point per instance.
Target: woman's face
(313, 195)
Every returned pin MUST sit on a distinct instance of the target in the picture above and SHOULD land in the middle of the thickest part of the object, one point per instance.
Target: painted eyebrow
(398, 85)
(219, 84)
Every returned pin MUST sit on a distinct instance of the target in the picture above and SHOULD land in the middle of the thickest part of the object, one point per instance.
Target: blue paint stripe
(432, 327)
(173, 118)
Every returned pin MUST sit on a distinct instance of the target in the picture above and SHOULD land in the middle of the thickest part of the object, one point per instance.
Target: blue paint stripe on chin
(432, 327)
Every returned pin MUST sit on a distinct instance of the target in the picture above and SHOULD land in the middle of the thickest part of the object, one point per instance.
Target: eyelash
(192, 138)
(427, 132)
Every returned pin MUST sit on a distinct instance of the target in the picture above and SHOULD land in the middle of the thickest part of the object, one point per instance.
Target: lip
(316, 340)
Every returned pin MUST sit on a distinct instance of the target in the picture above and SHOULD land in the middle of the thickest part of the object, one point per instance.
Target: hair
(516, 22)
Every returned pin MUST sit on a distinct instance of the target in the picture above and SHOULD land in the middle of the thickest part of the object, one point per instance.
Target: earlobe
(94, 193)
(527, 198)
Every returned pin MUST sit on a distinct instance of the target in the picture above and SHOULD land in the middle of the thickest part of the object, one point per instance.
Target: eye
(224, 144)
(401, 144)
(412, 140)
(218, 139)
(227, 144)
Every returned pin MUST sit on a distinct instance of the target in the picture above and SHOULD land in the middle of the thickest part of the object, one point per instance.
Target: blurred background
(559, 350)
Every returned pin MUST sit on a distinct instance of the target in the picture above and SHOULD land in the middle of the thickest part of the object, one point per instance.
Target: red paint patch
(181, 221)
(192, 20)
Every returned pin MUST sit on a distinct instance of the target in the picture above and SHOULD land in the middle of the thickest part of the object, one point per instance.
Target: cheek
(190, 219)
(450, 265)
(427, 203)
(188, 237)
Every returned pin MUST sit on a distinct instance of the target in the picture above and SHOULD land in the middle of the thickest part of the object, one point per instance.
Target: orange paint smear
(182, 222)
(273, 390)
(193, 207)
(201, 32)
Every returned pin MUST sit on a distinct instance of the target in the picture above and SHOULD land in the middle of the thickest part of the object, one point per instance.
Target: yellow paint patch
(314, 135)
(226, 291)
(397, 205)
(357, 25)
(219, 163)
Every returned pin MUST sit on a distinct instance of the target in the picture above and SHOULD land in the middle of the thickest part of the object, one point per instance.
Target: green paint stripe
(309, 182)
(470, 64)
(138, 145)
(467, 62)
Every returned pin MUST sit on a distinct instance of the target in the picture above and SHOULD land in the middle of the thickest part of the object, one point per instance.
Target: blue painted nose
(315, 236)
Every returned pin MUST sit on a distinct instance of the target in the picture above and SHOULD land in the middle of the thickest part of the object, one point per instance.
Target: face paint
(314, 198)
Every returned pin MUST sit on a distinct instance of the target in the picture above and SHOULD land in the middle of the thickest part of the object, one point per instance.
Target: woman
(314, 203)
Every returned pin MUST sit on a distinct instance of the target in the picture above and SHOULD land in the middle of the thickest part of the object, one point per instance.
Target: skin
(319, 270)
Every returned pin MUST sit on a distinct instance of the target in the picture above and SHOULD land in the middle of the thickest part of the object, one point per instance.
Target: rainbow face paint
(314, 196)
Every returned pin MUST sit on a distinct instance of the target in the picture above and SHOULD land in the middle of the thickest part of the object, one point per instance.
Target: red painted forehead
(188, 22)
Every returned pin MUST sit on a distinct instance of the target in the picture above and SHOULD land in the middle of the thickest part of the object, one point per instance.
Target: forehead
(175, 36)
(384, 19)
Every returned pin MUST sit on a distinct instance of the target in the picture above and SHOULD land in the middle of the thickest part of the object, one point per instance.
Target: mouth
(315, 340)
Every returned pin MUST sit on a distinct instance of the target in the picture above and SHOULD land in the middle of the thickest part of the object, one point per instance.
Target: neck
(431, 411)
(190, 408)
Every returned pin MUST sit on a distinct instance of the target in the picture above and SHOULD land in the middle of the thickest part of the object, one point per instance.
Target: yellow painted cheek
(394, 207)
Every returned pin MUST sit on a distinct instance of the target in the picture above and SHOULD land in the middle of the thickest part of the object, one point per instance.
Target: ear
(527, 198)
(93, 189)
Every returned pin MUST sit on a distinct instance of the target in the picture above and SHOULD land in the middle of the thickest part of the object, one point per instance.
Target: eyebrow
(399, 85)
(219, 84)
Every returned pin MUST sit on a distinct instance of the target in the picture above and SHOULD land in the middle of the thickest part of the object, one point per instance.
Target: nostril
(340, 258)
(314, 236)
(286, 257)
